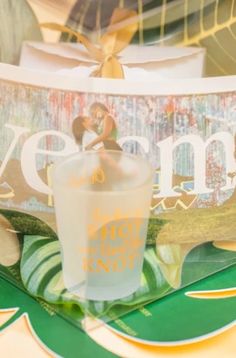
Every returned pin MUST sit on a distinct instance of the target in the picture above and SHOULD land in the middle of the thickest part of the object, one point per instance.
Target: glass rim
(70, 157)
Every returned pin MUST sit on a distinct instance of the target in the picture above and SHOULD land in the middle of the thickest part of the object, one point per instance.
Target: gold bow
(122, 27)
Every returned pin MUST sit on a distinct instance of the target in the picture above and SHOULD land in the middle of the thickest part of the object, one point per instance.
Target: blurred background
(205, 23)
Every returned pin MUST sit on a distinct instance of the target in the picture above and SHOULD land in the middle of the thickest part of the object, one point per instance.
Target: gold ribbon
(119, 33)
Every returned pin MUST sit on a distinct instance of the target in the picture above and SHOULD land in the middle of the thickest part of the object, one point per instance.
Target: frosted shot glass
(102, 204)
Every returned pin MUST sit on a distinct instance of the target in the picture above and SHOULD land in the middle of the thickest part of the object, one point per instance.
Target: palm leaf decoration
(41, 273)
(56, 333)
(38, 273)
(206, 23)
(214, 28)
(181, 317)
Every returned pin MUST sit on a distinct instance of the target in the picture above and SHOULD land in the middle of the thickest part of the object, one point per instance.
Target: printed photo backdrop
(26, 111)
